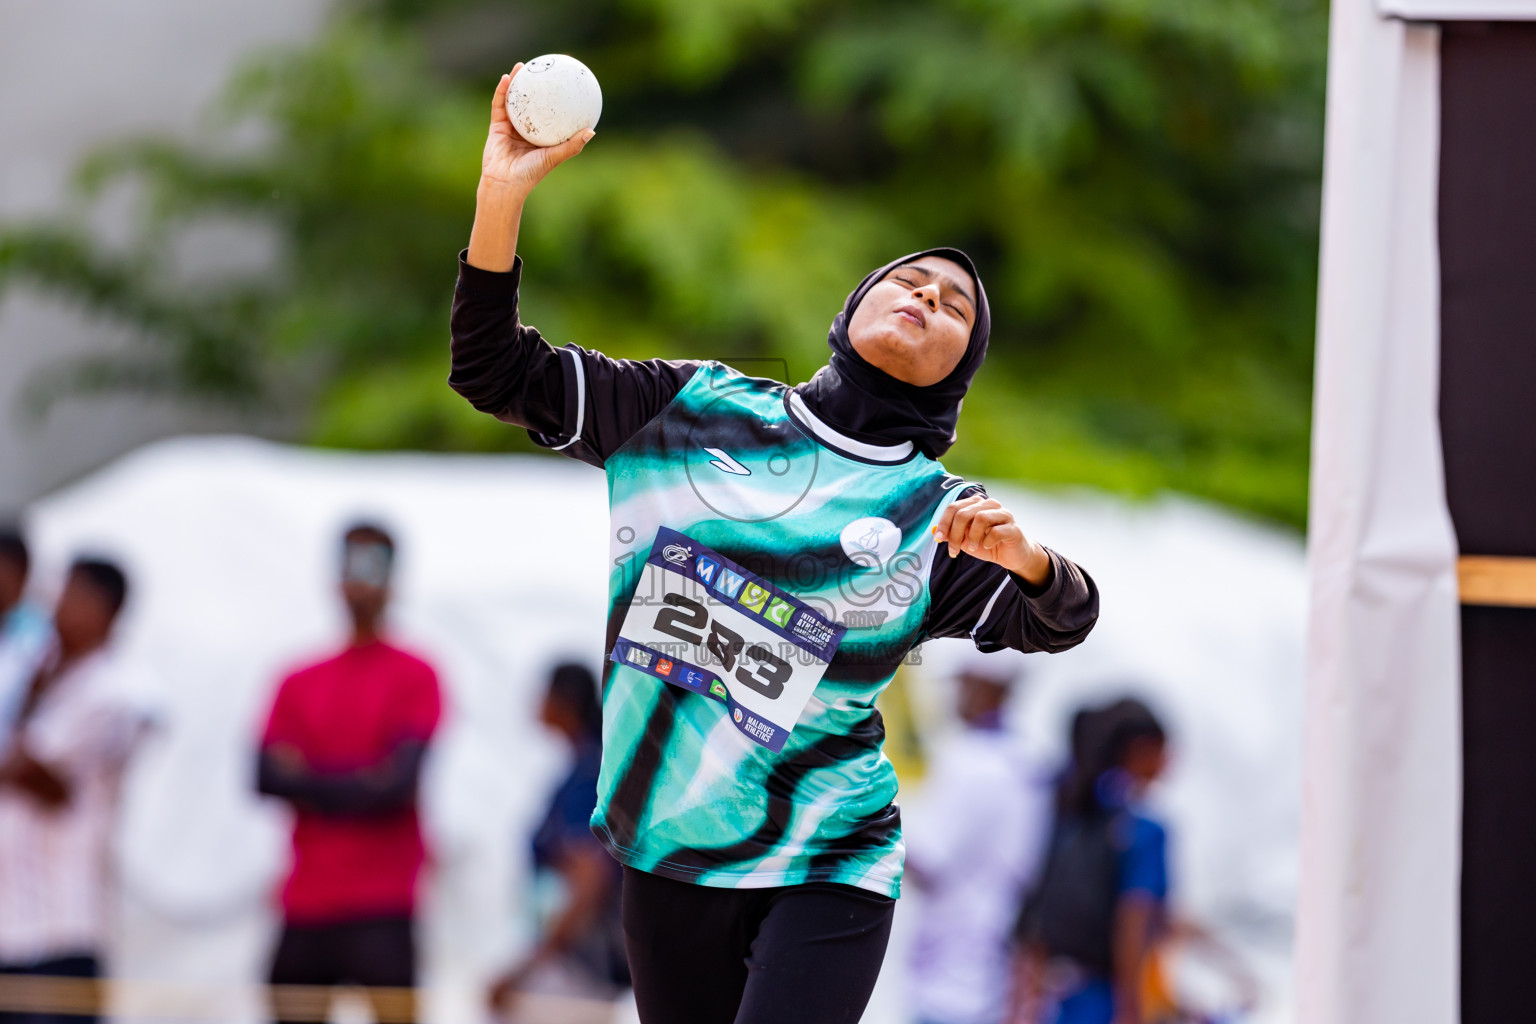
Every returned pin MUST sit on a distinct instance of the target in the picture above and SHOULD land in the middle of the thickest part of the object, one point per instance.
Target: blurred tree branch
(1138, 180)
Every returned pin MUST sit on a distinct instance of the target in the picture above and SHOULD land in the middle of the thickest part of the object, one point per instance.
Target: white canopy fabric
(1378, 922)
(1460, 10)
(231, 546)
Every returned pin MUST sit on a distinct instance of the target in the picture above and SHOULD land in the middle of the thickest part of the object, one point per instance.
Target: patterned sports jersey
(744, 468)
(682, 792)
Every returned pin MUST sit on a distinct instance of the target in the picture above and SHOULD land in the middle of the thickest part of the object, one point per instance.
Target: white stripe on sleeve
(581, 399)
(992, 601)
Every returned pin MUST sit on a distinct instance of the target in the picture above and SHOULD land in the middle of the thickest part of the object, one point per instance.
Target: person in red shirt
(344, 744)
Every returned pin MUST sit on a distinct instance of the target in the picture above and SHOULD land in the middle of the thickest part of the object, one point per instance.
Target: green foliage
(1136, 179)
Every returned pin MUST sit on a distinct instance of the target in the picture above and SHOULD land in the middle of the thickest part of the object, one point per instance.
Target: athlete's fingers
(499, 100)
(946, 531)
(982, 523)
(946, 521)
(1002, 533)
(941, 528)
(1001, 528)
(554, 156)
(958, 516)
(960, 525)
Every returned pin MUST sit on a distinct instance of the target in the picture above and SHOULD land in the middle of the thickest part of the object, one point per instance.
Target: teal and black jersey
(731, 464)
(742, 467)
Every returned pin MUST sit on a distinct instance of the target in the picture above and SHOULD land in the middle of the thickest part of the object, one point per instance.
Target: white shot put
(552, 98)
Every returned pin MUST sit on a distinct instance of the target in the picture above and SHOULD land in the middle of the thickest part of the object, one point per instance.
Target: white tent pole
(1378, 914)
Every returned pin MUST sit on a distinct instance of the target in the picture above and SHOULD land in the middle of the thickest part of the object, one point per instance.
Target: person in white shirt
(24, 630)
(59, 782)
(973, 848)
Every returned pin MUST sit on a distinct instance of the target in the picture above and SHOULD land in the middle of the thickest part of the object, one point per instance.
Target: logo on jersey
(753, 597)
(737, 715)
(663, 666)
(718, 689)
(870, 542)
(638, 656)
(747, 481)
(725, 464)
(676, 554)
(693, 678)
(730, 583)
(706, 568)
(779, 612)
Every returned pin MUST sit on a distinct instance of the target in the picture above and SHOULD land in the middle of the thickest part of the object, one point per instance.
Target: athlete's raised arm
(510, 167)
(992, 584)
(578, 402)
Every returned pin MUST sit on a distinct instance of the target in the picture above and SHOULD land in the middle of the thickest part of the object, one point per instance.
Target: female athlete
(777, 552)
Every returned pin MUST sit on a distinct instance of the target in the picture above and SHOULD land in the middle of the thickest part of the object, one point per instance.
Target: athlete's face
(915, 323)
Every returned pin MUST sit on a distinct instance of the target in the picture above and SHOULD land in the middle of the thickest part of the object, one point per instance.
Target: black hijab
(869, 404)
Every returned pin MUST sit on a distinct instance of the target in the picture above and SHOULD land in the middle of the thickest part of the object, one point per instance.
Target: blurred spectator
(344, 745)
(24, 631)
(1088, 930)
(59, 781)
(581, 951)
(974, 850)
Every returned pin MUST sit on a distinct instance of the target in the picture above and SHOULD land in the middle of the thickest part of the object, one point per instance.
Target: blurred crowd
(70, 724)
(1045, 888)
(1042, 891)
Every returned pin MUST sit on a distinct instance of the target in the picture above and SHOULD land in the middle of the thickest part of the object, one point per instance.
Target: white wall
(73, 75)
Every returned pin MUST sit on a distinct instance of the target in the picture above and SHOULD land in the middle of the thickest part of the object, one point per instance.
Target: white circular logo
(870, 542)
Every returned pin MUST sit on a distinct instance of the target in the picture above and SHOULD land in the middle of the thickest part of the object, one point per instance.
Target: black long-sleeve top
(587, 405)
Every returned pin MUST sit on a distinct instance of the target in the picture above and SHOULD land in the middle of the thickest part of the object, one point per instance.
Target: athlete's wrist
(501, 194)
(1032, 564)
(493, 239)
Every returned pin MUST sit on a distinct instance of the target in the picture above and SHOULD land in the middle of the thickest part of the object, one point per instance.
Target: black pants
(378, 953)
(802, 954)
(84, 966)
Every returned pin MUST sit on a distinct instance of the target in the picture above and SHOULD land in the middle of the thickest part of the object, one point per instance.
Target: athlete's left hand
(982, 528)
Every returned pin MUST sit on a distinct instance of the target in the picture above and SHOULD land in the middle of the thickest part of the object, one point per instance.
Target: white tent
(1379, 908)
(230, 544)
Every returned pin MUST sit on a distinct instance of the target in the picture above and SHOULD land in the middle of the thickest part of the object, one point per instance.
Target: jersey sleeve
(1144, 865)
(419, 706)
(574, 401)
(997, 609)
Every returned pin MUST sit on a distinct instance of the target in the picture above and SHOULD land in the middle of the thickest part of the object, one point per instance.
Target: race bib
(702, 622)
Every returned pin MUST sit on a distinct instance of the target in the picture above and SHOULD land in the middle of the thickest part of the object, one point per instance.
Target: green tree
(1137, 180)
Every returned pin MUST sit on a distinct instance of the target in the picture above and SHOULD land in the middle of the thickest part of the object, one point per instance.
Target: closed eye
(948, 305)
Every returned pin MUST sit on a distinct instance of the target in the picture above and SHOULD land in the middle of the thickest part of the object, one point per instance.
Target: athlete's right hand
(511, 162)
